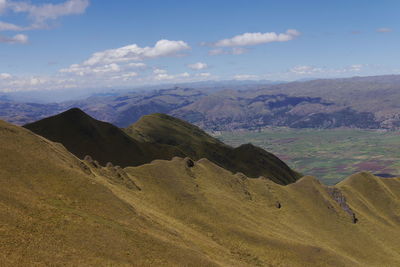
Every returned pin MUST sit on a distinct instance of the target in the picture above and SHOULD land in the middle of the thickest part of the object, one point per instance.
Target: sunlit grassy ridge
(56, 209)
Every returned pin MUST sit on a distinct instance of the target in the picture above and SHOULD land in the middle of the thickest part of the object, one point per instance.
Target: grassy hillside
(196, 144)
(155, 136)
(57, 210)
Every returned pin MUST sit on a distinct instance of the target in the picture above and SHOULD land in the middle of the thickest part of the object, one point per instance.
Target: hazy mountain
(359, 102)
(153, 137)
(55, 208)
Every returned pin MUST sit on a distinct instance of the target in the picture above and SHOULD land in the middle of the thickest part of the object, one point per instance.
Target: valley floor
(331, 155)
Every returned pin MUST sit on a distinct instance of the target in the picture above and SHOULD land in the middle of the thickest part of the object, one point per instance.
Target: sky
(88, 44)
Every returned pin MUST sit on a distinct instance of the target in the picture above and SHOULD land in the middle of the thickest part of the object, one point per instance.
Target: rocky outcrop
(337, 195)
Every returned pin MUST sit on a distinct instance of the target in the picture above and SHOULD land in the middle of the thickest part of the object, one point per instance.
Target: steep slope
(82, 135)
(55, 210)
(58, 210)
(155, 137)
(196, 144)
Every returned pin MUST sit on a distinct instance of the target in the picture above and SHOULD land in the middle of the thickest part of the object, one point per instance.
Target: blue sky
(120, 44)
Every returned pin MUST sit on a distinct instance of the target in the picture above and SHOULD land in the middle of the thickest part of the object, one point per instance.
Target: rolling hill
(153, 137)
(58, 210)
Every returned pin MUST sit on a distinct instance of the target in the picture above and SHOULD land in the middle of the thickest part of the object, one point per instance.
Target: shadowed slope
(82, 135)
(56, 209)
(156, 136)
(196, 144)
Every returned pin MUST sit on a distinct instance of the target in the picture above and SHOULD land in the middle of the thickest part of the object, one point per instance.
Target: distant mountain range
(359, 102)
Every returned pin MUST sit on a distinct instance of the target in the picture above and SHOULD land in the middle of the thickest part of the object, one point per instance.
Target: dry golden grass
(57, 210)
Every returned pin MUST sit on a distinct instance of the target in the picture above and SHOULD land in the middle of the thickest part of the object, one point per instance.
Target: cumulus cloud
(16, 39)
(134, 52)
(198, 66)
(125, 58)
(256, 38)
(384, 30)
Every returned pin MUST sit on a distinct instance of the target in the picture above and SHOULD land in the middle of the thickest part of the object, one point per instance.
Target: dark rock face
(337, 195)
(189, 163)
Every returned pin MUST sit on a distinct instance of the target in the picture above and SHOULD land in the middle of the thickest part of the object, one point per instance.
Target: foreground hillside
(156, 136)
(57, 210)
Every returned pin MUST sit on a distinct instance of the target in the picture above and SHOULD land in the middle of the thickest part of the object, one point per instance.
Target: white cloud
(311, 70)
(37, 14)
(203, 74)
(159, 71)
(355, 67)
(238, 51)
(256, 38)
(16, 39)
(4, 26)
(137, 65)
(36, 81)
(245, 77)
(198, 66)
(134, 52)
(126, 76)
(384, 30)
(304, 69)
(231, 51)
(84, 70)
(2, 5)
(165, 76)
(119, 59)
(4, 76)
(43, 12)
(184, 75)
